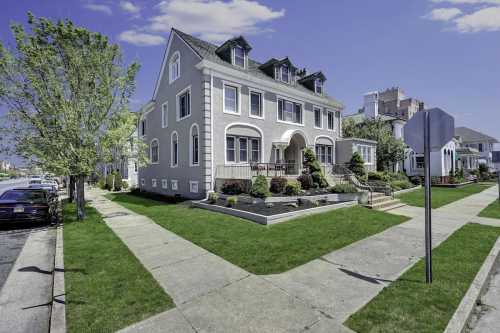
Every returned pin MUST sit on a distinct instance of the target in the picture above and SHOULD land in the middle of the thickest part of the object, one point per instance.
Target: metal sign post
(428, 215)
(438, 128)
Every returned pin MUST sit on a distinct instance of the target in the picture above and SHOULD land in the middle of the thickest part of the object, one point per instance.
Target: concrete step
(378, 195)
(380, 198)
(384, 204)
(397, 205)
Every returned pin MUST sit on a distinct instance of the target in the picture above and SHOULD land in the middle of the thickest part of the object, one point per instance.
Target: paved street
(11, 183)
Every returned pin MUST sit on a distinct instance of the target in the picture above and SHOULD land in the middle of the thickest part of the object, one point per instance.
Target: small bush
(306, 181)
(118, 182)
(232, 187)
(292, 188)
(278, 184)
(357, 165)
(417, 180)
(401, 185)
(319, 179)
(109, 181)
(124, 185)
(344, 188)
(102, 183)
(213, 197)
(397, 176)
(260, 188)
(378, 175)
(232, 201)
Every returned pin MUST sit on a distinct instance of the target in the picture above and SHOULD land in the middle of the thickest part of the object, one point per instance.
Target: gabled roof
(277, 62)
(240, 41)
(206, 50)
(313, 76)
(470, 135)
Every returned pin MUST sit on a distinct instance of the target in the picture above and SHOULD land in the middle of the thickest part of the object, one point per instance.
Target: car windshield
(30, 196)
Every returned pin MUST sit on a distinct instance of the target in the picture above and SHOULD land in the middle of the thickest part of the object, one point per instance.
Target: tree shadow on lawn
(148, 199)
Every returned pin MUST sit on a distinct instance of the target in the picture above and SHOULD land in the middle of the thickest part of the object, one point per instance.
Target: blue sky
(445, 52)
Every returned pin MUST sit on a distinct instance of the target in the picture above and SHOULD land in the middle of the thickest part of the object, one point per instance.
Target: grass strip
(410, 305)
(263, 249)
(107, 288)
(492, 211)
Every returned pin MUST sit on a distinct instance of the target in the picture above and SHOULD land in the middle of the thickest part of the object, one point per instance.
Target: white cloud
(130, 7)
(443, 14)
(213, 20)
(140, 38)
(469, 2)
(99, 8)
(485, 19)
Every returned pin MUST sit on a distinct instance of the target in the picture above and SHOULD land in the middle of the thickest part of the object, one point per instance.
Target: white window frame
(151, 151)
(143, 182)
(370, 153)
(238, 97)
(225, 149)
(178, 108)
(164, 183)
(332, 113)
(293, 101)
(255, 91)
(251, 150)
(153, 182)
(233, 57)
(164, 115)
(171, 79)
(316, 87)
(194, 183)
(191, 145)
(281, 73)
(317, 108)
(174, 184)
(246, 139)
(172, 165)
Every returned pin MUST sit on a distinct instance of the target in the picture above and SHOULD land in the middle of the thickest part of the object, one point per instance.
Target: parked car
(26, 205)
(35, 181)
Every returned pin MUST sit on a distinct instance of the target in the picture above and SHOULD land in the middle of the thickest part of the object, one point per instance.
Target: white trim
(271, 86)
(170, 62)
(176, 182)
(288, 134)
(172, 165)
(281, 73)
(164, 183)
(191, 183)
(225, 150)
(238, 97)
(248, 125)
(233, 57)
(143, 182)
(315, 107)
(322, 87)
(372, 156)
(151, 151)
(262, 103)
(212, 158)
(164, 115)
(246, 139)
(291, 100)
(164, 61)
(333, 115)
(324, 136)
(154, 182)
(191, 164)
(177, 109)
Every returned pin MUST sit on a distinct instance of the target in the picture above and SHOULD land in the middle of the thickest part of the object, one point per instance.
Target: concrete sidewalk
(26, 297)
(213, 295)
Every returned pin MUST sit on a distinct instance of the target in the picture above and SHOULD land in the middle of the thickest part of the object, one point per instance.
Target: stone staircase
(383, 202)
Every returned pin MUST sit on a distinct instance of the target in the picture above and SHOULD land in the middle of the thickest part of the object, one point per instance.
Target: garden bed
(270, 213)
(309, 197)
(453, 185)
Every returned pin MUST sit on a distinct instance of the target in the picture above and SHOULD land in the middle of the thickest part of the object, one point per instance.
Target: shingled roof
(207, 51)
(470, 135)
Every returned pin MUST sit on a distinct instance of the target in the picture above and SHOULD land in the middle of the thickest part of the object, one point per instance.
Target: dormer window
(239, 56)
(285, 74)
(318, 86)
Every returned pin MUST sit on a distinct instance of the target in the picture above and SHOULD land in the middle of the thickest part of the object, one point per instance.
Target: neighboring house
(467, 157)
(481, 142)
(217, 114)
(396, 109)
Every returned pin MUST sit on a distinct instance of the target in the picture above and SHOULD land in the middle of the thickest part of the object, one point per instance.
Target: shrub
(417, 180)
(124, 185)
(102, 183)
(232, 201)
(397, 176)
(344, 188)
(401, 185)
(232, 187)
(357, 165)
(292, 188)
(109, 181)
(278, 184)
(118, 182)
(319, 180)
(260, 188)
(306, 181)
(312, 167)
(213, 197)
(378, 175)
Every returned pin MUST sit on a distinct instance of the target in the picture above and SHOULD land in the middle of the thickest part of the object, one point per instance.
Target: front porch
(250, 170)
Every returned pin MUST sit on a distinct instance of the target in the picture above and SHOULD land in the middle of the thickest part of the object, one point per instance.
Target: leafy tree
(389, 149)
(67, 90)
(357, 165)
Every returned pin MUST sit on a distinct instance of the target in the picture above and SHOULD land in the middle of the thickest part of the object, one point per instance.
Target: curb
(460, 319)
(58, 315)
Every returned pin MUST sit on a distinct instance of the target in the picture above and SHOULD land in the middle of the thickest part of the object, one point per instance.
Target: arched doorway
(294, 153)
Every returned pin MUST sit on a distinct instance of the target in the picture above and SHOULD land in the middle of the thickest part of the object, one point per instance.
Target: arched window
(174, 67)
(154, 153)
(194, 144)
(174, 151)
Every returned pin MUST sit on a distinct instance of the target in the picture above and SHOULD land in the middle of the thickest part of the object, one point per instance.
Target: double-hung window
(242, 149)
(164, 115)
(231, 102)
(317, 118)
(324, 153)
(255, 156)
(175, 67)
(195, 146)
(256, 104)
(239, 56)
(366, 154)
(318, 86)
(154, 151)
(285, 74)
(184, 104)
(174, 158)
(231, 149)
(331, 120)
(289, 111)
(143, 127)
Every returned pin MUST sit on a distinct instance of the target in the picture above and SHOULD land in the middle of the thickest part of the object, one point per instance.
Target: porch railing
(249, 170)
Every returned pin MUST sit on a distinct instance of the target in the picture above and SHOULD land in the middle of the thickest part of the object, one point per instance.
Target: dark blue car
(26, 205)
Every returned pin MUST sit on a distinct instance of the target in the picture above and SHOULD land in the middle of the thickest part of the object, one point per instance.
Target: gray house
(217, 114)
(479, 141)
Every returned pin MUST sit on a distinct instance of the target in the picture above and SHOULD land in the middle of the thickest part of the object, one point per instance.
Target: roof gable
(470, 135)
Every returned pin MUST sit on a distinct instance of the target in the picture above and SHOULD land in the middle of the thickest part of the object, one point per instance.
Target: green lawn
(441, 195)
(409, 305)
(263, 249)
(493, 210)
(106, 286)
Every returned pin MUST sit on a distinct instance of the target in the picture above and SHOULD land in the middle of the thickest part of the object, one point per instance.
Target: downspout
(212, 175)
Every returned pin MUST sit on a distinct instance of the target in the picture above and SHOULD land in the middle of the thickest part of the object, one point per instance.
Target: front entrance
(294, 154)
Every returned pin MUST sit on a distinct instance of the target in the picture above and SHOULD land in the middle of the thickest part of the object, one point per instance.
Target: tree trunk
(80, 197)
(71, 189)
